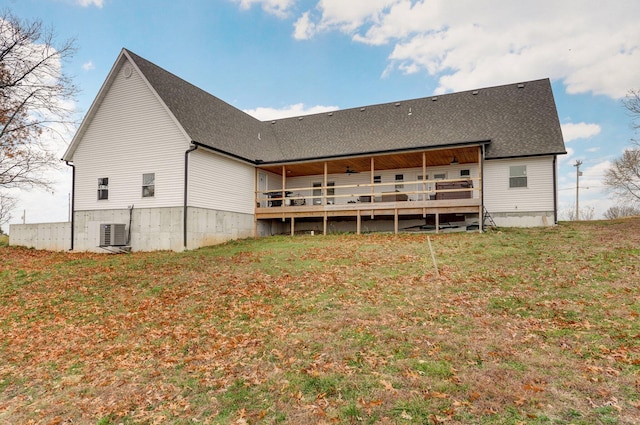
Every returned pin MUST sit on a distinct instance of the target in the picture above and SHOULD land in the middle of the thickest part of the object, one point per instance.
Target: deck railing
(460, 188)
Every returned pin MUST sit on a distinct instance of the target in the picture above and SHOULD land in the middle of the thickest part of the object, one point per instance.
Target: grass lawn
(523, 326)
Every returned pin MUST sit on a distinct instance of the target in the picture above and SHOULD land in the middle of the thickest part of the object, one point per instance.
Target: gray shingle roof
(205, 118)
(519, 120)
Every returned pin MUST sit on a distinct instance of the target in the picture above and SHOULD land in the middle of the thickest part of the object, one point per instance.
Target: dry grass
(524, 326)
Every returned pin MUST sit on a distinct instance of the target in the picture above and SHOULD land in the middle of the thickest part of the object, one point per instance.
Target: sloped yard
(532, 326)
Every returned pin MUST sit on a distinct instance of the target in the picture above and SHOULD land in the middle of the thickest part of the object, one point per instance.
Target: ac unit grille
(113, 234)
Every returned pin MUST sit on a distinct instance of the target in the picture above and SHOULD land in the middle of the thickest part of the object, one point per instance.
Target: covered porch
(419, 186)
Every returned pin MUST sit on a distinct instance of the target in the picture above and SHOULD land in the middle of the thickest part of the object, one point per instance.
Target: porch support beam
(424, 182)
(437, 222)
(293, 225)
(324, 224)
(284, 186)
(395, 221)
(358, 223)
(373, 189)
(324, 186)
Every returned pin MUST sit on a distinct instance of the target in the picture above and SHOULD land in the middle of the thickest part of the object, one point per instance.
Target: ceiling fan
(350, 171)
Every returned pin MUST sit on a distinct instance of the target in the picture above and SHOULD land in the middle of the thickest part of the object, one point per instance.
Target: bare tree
(622, 179)
(632, 103)
(35, 100)
(569, 213)
(619, 211)
(7, 203)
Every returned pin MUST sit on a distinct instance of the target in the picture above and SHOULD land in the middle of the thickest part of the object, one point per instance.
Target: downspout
(555, 189)
(186, 187)
(482, 187)
(73, 201)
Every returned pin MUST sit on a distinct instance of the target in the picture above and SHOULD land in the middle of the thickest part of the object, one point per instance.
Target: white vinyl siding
(220, 183)
(130, 134)
(538, 195)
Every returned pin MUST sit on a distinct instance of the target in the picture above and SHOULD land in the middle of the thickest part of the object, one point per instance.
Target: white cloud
(591, 46)
(87, 3)
(278, 8)
(303, 28)
(88, 66)
(574, 131)
(267, 113)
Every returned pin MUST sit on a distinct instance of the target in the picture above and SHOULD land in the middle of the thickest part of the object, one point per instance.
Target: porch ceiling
(394, 161)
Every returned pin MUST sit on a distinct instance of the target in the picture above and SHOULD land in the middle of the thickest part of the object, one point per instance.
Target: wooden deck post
(395, 222)
(373, 189)
(358, 222)
(437, 222)
(293, 225)
(424, 182)
(324, 186)
(324, 224)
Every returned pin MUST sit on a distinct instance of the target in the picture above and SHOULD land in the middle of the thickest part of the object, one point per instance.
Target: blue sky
(275, 58)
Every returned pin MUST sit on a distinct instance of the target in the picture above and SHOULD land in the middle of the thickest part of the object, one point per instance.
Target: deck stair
(486, 217)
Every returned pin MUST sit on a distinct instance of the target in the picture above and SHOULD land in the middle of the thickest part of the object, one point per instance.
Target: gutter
(193, 147)
(481, 218)
(73, 201)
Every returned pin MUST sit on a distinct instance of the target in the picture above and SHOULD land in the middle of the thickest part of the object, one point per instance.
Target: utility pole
(578, 174)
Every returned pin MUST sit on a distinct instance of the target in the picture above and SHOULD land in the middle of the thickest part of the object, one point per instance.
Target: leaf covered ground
(526, 326)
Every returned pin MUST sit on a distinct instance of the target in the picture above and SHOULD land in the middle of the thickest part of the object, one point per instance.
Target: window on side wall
(103, 188)
(518, 176)
(148, 185)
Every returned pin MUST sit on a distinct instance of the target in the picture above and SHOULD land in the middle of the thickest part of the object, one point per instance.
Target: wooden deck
(358, 210)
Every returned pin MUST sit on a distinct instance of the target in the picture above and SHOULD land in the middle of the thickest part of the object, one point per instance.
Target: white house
(160, 164)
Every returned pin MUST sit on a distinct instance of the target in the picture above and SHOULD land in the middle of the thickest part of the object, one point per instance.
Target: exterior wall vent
(113, 234)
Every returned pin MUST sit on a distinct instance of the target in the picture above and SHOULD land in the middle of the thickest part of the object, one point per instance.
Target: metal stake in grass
(433, 257)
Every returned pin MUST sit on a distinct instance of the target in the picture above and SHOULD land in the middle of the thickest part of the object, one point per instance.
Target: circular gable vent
(127, 71)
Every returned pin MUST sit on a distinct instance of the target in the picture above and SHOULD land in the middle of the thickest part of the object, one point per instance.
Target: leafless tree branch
(35, 99)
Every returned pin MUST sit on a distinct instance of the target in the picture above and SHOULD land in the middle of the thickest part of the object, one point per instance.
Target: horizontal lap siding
(537, 196)
(130, 134)
(220, 183)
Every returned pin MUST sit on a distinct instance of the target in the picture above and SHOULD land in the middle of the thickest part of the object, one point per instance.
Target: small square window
(377, 179)
(103, 188)
(518, 176)
(465, 173)
(148, 185)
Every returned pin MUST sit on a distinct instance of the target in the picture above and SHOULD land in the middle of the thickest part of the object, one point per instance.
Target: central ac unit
(113, 234)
